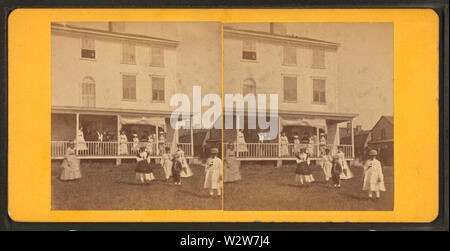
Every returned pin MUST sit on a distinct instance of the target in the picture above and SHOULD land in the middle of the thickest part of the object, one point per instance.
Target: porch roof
(109, 111)
(338, 116)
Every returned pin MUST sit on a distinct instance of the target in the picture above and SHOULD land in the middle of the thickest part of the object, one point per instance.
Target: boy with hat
(336, 170)
(213, 173)
(373, 176)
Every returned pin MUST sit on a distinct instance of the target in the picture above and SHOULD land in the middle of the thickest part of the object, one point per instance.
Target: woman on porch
(284, 149)
(123, 143)
(81, 143)
(241, 144)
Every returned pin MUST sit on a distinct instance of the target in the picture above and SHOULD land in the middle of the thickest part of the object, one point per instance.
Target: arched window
(249, 87)
(88, 92)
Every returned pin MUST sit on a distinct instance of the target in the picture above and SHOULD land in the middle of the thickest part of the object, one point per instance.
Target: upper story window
(290, 88)
(157, 88)
(128, 53)
(289, 55)
(129, 86)
(318, 58)
(157, 56)
(88, 92)
(88, 48)
(319, 91)
(249, 50)
(249, 87)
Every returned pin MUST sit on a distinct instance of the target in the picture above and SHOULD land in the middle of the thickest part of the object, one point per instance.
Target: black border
(441, 223)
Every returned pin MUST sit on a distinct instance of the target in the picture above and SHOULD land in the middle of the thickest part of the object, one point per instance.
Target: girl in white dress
(284, 149)
(213, 173)
(346, 172)
(373, 176)
(123, 143)
(186, 172)
(81, 144)
(241, 144)
(166, 162)
(327, 163)
(135, 148)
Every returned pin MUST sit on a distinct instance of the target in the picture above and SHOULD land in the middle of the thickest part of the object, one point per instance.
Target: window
(88, 92)
(157, 88)
(249, 87)
(318, 59)
(290, 88)
(157, 56)
(249, 50)
(289, 55)
(129, 87)
(88, 48)
(128, 53)
(319, 91)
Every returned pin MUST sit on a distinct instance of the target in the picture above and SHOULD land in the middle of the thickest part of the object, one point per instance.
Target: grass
(265, 187)
(105, 186)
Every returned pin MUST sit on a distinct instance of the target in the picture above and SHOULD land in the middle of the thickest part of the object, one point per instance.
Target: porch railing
(275, 150)
(112, 149)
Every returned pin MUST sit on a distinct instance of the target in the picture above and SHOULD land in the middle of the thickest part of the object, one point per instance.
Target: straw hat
(373, 153)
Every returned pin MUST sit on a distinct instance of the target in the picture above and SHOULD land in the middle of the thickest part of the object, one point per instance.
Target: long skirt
(284, 150)
(212, 179)
(186, 172)
(71, 169)
(231, 170)
(346, 172)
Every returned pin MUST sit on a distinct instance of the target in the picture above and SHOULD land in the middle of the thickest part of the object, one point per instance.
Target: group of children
(335, 168)
(175, 166)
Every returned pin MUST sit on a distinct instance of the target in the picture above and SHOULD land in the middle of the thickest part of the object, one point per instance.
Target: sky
(365, 76)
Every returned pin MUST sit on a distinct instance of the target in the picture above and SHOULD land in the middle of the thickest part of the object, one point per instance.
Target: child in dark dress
(176, 169)
(336, 171)
(142, 167)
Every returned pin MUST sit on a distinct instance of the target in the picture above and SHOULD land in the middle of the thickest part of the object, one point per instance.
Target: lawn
(105, 186)
(265, 187)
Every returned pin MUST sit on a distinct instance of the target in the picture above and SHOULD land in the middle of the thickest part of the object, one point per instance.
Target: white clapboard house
(105, 80)
(302, 71)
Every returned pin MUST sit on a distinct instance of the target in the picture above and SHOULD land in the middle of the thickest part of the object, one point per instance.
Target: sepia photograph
(331, 102)
(114, 145)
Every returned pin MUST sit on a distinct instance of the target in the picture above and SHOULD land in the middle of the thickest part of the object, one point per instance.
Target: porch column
(192, 135)
(352, 138)
(118, 160)
(279, 160)
(77, 126)
(317, 142)
(157, 139)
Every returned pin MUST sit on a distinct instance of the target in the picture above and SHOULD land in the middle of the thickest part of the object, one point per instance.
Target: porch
(102, 134)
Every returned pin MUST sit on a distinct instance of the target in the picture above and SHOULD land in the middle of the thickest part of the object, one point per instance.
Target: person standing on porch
(123, 143)
(149, 147)
(284, 148)
(135, 148)
(373, 176)
(187, 172)
(296, 145)
(213, 173)
(322, 143)
(241, 144)
(81, 143)
(99, 145)
(161, 142)
(70, 165)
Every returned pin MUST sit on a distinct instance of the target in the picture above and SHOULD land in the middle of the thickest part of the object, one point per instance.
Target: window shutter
(290, 55)
(157, 55)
